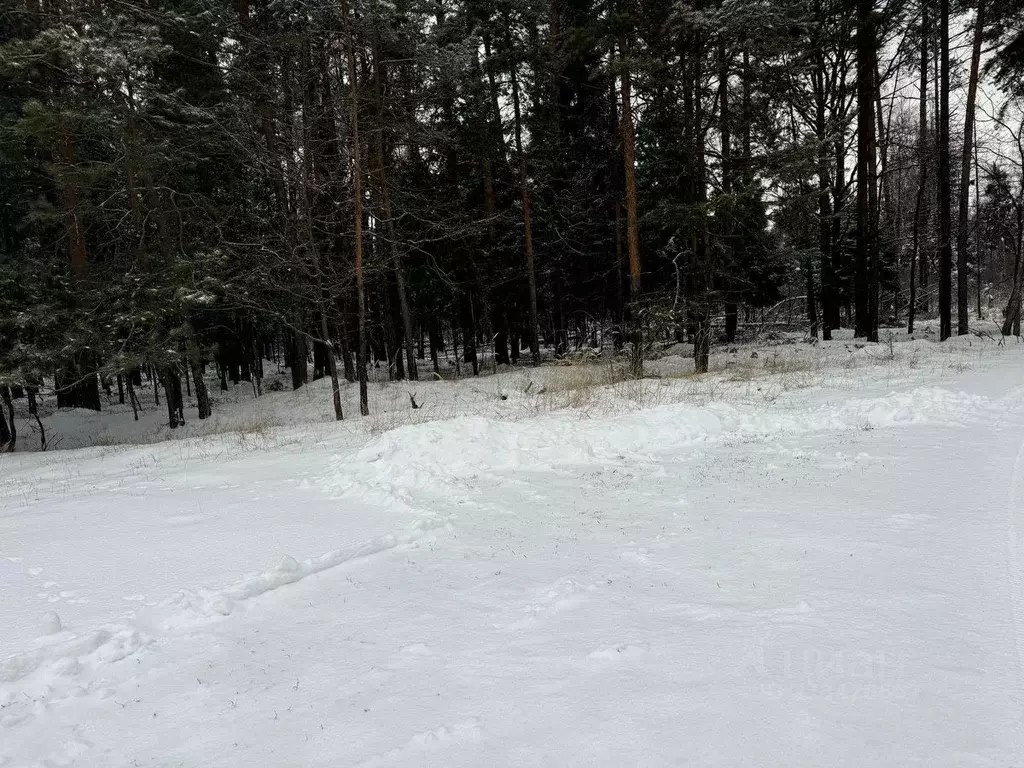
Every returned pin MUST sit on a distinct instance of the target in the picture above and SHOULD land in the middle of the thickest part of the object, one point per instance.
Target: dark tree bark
(357, 184)
(728, 187)
(5, 433)
(962, 234)
(632, 225)
(525, 195)
(298, 358)
(829, 292)
(390, 230)
(920, 208)
(168, 376)
(320, 353)
(202, 393)
(12, 425)
(945, 187)
(33, 410)
(436, 342)
(133, 398)
(77, 386)
(866, 267)
(346, 350)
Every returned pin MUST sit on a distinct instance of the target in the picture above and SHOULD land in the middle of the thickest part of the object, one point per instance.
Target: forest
(198, 186)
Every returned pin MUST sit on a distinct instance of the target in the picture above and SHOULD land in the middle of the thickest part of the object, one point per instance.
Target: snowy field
(810, 557)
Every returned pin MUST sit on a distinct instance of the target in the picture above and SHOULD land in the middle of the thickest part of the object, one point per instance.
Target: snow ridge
(33, 677)
(189, 607)
(396, 467)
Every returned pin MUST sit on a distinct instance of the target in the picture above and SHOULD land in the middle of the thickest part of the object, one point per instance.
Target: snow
(803, 559)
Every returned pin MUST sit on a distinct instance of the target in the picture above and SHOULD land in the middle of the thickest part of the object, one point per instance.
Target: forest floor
(809, 557)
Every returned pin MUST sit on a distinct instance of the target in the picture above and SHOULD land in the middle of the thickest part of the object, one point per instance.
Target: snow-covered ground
(809, 557)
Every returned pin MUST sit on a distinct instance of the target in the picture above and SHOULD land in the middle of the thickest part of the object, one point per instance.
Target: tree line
(356, 183)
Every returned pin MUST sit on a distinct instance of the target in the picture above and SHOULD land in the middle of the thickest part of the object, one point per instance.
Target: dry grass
(577, 387)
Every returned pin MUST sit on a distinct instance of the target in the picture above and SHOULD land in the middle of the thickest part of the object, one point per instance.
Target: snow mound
(402, 466)
(70, 656)
(51, 623)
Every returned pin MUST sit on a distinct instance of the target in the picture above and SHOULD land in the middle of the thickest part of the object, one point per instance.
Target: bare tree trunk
(72, 198)
(308, 160)
(5, 393)
(962, 235)
(945, 190)
(1011, 320)
(703, 290)
(829, 298)
(357, 183)
(172, 405)
(202, 393)
(389, 225)
(728, 188)
(332, 366)
(524, 189)
(346, 351)
(978, 253)
(865, 287)
(1011, 323)
(920, 209)
(133, 398)
(33, 409)
(632, 227)
(436, 339)
(5, 433)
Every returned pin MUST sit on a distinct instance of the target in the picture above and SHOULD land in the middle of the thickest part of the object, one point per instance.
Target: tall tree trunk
(962, 235)
(865, 326)
(133, 398)
(1011, 322)
(167, 376)
(920, 209)
(978, 252)
(12, 426)
(702, 295)
(310, 159)
(332, 365)
(524, 190)
(5, 433)
(945, 187)
(72, 199)
(33, 410)
(436, 338)
(1011, 317)
(728, 178)
(632, 227)
(840, 263)
(83, 390)
(829, 298)
(346, 350)
(202, 393)
(389, 224)
(357, 184)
